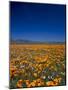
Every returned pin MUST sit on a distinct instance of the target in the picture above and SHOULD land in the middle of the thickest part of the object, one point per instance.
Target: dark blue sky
(37, 22)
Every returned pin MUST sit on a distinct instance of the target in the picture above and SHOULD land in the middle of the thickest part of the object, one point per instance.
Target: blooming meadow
(37, 65)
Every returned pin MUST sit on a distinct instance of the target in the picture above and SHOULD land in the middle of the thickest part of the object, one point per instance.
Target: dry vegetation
(37, 65)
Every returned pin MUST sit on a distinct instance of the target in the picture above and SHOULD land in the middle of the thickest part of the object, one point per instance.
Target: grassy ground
(37, 65)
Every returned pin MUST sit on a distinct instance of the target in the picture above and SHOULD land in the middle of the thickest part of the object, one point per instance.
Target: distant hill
(21, 41)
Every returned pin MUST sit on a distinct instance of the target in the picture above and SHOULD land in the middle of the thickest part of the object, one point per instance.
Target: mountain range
(22, 41)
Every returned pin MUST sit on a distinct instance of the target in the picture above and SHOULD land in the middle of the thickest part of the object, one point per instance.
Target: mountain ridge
(22, 41)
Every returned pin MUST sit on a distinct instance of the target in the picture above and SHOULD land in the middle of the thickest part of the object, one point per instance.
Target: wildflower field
(37, 65)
